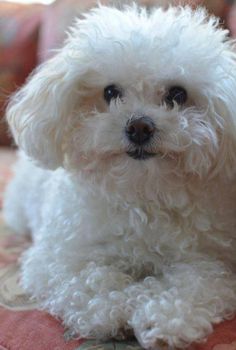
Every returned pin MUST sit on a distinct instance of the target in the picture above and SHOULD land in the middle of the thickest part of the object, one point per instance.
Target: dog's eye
(112, 92)
(176, 94)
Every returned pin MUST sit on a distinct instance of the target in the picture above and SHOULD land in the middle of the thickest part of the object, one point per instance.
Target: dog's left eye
(112, 92)
(176, 94)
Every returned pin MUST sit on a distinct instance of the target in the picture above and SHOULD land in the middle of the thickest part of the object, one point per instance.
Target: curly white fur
(121, 244)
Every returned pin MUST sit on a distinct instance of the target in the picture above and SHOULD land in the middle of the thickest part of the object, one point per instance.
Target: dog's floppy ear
(37, 113)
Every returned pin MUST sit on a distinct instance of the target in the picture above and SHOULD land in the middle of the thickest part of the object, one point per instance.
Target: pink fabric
(19, 31)
(223, 338)
(232, 21)
(32, 330)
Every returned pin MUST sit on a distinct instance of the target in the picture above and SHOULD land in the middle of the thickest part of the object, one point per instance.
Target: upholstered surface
(23, 327)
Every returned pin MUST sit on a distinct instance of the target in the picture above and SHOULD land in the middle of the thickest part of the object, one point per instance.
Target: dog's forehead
(165, 45)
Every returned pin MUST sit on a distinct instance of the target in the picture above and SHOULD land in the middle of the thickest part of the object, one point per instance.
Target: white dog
(132, 207)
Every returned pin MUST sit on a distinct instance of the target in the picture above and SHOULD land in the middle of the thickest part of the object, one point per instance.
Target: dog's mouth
(140, 154)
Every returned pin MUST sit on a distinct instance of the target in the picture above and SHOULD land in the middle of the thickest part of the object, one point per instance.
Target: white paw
(150, 340)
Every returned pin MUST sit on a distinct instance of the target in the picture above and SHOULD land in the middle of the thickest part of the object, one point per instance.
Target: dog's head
(131, 95)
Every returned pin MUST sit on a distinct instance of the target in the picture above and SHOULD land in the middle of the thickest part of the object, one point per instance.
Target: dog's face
(132, 98)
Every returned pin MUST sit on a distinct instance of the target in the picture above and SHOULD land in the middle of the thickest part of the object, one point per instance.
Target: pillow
(19, 31)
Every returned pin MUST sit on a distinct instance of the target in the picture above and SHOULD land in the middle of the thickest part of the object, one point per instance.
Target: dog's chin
(140, 154)
(92, 160)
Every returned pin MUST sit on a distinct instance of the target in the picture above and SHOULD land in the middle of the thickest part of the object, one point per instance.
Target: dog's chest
(197, 222)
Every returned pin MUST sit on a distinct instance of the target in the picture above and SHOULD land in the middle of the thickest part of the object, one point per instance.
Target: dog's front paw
(151, 339)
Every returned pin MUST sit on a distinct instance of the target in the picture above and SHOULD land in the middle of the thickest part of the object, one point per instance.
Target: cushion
(232, 20)
(19, 29)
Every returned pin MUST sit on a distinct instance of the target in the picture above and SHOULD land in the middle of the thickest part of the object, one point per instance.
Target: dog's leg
(14, 204)
(94, 299)
(96, 304)
(90, 298)
(23, 196)
(195, 296)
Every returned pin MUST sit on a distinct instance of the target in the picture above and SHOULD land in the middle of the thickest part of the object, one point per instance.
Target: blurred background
(30, 30)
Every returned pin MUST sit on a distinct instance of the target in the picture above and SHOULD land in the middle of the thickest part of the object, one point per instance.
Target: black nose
(140, 130)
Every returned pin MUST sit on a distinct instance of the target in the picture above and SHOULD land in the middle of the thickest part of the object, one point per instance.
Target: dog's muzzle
(139, 132)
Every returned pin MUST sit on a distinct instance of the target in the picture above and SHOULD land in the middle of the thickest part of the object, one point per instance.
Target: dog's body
(135, 230)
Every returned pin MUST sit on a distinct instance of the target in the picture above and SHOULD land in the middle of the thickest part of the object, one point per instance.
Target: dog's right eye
(112, 92)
